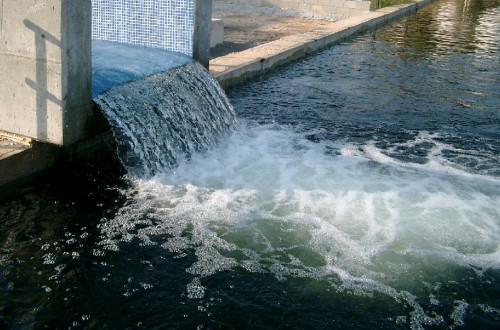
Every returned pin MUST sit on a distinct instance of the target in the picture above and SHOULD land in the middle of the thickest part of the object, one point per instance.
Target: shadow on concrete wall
(43, 96)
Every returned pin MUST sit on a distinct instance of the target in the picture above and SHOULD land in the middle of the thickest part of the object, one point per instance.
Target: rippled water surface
(359, 189)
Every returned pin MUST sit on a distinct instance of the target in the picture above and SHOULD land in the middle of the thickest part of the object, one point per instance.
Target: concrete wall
(217, 32)
(338, 7)
(45, 69)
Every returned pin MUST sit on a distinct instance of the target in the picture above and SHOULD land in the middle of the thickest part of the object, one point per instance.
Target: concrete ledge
(25, 162)
(20, 163)
(22, 159)
(11, 144)
(238, 67)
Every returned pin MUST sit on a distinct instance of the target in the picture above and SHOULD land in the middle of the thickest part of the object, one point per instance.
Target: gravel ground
(246, 27)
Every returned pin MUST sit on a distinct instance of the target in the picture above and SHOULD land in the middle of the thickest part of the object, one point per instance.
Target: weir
(161, 105)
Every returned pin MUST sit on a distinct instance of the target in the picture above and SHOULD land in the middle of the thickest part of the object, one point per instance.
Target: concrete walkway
(238, 67)
(22, 158)
(10, 145)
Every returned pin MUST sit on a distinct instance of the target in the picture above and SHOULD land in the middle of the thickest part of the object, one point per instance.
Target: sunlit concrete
(45, 69)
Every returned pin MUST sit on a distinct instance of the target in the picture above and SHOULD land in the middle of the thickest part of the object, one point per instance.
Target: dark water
(360, 190)
(435, 73)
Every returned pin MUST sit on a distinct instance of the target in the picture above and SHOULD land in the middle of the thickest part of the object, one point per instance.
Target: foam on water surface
(267, 200)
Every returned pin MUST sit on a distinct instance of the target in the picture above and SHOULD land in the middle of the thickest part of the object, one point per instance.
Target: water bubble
(489, 309)
(71, 241)
(195, 290)
(400, 320)
(146, 286)
(458, 312)
(49, 259)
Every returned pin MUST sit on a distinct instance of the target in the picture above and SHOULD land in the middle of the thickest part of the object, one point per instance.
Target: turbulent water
(359, 189)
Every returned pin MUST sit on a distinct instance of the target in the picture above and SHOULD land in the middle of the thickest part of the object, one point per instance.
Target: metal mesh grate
(166, 24)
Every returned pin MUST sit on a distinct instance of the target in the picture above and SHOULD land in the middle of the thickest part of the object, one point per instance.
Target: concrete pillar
(202, 28)
(46, 69)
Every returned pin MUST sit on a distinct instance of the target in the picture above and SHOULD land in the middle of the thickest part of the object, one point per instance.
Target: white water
(160, 119)
(268, 200)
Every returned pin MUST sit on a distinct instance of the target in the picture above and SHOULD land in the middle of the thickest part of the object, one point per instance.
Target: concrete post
(202, 28)
(46, 69)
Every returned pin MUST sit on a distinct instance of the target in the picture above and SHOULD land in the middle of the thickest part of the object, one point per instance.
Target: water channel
(360, 188)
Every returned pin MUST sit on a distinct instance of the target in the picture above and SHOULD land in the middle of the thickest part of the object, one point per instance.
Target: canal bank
(22, 159)
(237, 67)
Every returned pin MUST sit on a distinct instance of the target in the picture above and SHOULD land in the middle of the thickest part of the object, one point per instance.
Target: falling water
(166, 117)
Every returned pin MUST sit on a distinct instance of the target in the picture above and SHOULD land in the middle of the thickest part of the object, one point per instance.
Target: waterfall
(166, 117)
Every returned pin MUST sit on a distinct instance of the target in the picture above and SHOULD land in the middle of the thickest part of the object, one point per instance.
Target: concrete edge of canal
(238, 67)
(22, 159)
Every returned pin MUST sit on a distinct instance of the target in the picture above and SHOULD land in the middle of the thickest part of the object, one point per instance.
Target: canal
(359, 189)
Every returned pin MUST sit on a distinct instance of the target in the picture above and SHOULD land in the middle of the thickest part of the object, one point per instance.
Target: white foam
(436, 162)
(458, 312)
(195, 290)
(268, 200)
